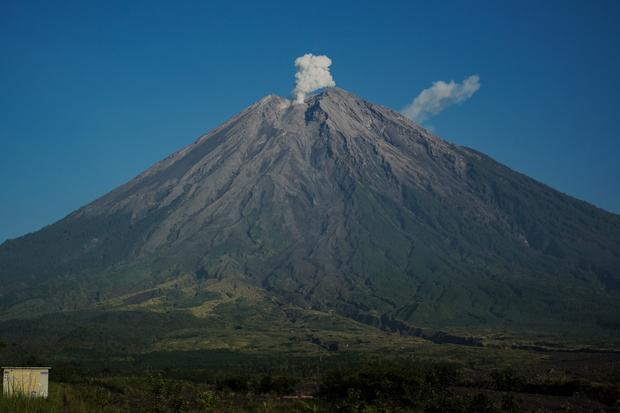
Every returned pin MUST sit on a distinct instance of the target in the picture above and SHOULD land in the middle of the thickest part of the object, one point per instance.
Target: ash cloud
(312, 74)
(435, 99)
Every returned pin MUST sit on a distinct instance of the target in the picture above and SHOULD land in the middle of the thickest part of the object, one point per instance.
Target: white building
(27, 381)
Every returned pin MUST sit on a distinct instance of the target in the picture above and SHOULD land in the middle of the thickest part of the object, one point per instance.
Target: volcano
(334, 205)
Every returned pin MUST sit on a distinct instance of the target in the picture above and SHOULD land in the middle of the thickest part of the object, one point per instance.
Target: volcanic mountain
(334, 205)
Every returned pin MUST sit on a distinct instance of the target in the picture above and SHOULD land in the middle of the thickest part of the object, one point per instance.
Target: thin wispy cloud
(436, 98)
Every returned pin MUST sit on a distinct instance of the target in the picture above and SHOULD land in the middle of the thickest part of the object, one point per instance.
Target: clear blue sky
(92, 93)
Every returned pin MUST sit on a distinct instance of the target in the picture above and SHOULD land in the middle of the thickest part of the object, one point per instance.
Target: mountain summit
(335, 204)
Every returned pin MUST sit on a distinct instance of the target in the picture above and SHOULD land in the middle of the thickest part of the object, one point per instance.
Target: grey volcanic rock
(334, 204)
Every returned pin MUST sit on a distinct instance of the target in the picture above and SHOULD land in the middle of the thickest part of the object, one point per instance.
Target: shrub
(375, 387)
(480, 403)
(278, 385)
(233, 383)
(510, 403)
(506, 380)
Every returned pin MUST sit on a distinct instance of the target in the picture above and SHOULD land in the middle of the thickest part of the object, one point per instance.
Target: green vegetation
(108, 369)
(305, 361)
(359, 384)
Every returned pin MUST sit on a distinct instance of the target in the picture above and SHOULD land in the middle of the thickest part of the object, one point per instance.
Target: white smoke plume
(312, 74)
(433, 100)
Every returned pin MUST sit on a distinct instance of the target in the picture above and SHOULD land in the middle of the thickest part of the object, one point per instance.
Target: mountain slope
(335, 204)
